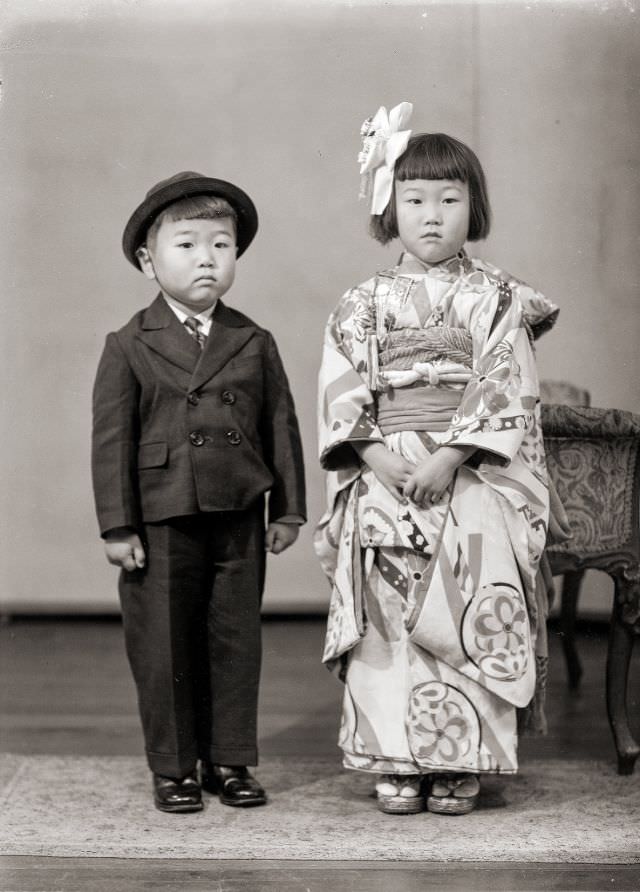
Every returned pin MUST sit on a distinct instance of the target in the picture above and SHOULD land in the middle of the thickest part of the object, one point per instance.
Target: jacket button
(234, 438)
(193, 399)
(196, 438)
(228, 398)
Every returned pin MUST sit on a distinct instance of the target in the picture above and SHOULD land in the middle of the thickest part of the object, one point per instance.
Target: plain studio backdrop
(102, 98)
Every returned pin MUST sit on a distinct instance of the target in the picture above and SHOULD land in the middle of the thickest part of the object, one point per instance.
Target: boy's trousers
(192, 631)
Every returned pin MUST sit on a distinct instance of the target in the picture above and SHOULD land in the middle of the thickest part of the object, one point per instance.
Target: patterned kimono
(437, 614)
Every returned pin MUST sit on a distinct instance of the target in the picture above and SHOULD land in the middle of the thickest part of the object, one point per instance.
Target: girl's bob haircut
(436, 156)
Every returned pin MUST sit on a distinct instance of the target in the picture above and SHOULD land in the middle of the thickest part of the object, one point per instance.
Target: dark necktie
(194, 327)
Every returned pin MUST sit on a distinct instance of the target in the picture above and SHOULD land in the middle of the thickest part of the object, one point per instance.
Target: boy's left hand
(428, 483)
(280, 536)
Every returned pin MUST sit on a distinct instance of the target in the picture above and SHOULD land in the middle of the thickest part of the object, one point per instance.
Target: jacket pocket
(152, 455)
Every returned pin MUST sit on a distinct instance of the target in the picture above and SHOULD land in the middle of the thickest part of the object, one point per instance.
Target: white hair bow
(383, 141)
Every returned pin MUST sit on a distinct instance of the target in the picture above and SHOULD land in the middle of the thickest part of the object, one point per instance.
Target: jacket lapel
(162, 332)
(229, 333)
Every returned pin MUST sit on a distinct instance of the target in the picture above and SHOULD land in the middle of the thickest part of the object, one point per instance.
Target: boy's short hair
(436, 156)
(195, 207)
(174, 190)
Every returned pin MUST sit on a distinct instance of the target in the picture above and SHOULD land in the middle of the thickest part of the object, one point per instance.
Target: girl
(437, 487)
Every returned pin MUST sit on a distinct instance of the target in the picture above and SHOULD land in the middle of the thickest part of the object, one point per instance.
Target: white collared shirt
(182, 312)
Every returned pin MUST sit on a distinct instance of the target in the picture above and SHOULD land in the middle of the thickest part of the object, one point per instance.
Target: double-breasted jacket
(178, 430)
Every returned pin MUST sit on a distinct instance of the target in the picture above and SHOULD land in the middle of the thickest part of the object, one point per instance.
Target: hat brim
(135, 231)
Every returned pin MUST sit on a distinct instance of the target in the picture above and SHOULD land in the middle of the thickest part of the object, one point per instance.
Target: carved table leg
(568, 608)
(621, 640)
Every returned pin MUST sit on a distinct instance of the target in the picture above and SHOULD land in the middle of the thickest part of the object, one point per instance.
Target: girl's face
(433, 217)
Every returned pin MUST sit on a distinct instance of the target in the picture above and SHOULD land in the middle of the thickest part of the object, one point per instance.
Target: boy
(193, 423)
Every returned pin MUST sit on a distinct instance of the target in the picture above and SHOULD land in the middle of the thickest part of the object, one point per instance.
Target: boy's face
(433, 217)
(193, 261)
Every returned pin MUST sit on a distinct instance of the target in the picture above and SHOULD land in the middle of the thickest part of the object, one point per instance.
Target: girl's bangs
(432, 158)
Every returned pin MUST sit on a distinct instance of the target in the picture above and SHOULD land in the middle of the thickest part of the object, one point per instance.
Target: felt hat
(183, 185)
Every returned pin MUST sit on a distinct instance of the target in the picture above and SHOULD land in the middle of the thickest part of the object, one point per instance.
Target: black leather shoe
(177, 795)
(233, 785)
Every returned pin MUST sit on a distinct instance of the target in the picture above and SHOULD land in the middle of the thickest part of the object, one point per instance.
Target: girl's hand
(123, 547)
(433, 476)
(392, 470)
(280, 536)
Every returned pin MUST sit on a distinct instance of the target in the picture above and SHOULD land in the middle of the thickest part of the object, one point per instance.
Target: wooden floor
(66, 689)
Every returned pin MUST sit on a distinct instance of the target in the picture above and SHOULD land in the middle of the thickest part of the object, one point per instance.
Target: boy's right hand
(123, 547)
(391, 469)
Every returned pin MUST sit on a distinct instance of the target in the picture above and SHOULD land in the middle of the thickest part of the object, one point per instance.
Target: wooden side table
(593, 457)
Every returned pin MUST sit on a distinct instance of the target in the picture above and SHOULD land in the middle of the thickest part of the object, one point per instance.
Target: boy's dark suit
(186, 444)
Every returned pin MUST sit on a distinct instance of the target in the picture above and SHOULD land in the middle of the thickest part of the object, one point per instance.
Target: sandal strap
(452, 782)
(399, 782)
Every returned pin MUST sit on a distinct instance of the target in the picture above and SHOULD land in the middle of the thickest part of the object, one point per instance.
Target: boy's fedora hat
(180, 186)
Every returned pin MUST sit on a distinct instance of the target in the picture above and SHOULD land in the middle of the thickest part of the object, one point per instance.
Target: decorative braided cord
(407, 346)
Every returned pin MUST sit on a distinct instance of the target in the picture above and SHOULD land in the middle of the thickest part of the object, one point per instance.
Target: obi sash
(414, 367)
(417, 408)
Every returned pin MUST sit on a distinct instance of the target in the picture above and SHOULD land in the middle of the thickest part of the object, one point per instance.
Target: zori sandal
(400, 794)
(453, 794)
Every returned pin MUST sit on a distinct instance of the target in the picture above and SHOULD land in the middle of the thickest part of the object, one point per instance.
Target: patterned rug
(554, 811)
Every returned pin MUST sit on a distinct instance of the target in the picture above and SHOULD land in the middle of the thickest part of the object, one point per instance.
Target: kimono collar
(458, 265)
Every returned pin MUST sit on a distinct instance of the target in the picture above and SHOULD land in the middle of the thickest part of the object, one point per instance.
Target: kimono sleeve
(540, 313)
(346, 403)
(499, 402)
